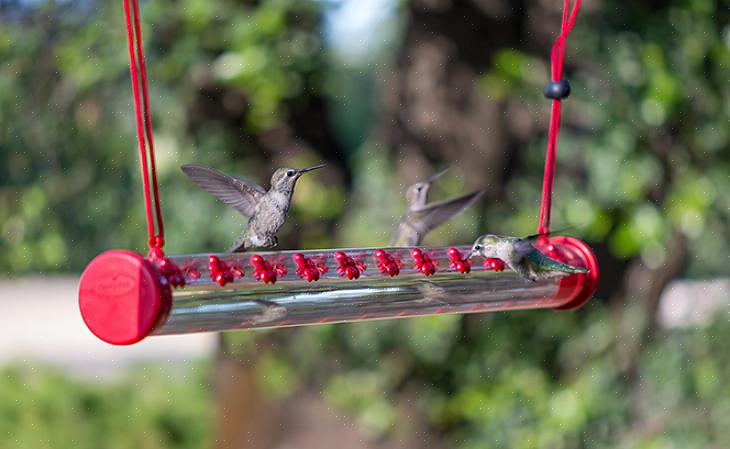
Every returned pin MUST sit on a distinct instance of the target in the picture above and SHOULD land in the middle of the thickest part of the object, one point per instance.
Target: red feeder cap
(122, 297)
(576, 289)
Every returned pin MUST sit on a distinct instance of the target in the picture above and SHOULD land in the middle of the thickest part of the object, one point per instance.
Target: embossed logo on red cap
(117, 284)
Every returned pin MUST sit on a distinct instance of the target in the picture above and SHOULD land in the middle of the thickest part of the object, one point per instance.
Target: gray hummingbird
(420, 217)
(522, 257)
(266, 210)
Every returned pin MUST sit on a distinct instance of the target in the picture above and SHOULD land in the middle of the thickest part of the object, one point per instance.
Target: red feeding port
(387, 264)
(265, 271)
(170, 271)
(307, 269)
(457, 262)
(493, 264)
(192, 273)
(219, 271)
(422, 262)
(347, 267)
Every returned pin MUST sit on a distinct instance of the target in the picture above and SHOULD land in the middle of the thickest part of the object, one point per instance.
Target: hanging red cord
(144, 125)
(144, 129)
(563, 89)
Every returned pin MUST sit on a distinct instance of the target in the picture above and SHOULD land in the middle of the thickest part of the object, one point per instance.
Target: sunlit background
(384, 92)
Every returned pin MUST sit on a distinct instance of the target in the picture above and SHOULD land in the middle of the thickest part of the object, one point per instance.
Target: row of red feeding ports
(309, 270)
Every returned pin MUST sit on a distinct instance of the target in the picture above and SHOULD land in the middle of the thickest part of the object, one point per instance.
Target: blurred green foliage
(554, 387)
(69, 182)
(153, 408)
(643, 151)
(526, 380)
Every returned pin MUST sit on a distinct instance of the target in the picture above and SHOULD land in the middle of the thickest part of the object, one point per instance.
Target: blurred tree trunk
(432, 106)
(433, 100)
(243, 411)
(639, 296)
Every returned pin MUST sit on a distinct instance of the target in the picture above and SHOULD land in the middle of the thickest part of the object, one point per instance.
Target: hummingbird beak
(304, 170)
(437, 175)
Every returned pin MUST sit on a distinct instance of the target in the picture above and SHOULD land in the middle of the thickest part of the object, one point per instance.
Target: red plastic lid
(122, 298)
(576, 289)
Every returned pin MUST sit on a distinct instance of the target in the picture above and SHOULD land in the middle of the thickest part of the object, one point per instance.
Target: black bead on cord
(557, 90)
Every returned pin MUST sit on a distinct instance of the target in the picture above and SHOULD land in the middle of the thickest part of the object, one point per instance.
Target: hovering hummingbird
(266, 210)
(522, 257)
(421, 217)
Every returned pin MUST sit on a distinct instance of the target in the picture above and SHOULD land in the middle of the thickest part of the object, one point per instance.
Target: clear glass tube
(247, 302)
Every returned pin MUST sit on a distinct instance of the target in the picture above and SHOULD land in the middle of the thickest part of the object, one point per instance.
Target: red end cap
(576, 289)
(122, 297)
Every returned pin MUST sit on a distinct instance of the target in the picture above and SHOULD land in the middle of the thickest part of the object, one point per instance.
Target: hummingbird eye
(290, 173)
(477, 247)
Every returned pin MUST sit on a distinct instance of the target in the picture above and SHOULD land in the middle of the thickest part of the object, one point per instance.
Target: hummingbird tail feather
(547, 264)
(239, 246)
(567, 268)
(574, 269)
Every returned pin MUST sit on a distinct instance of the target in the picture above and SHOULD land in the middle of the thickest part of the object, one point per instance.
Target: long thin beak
(437, 175)
(304, 170)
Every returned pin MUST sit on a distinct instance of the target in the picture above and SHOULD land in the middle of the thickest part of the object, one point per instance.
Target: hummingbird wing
(522, 247)
(541, 263)
(238, 193)
(535, 237)
(426, 218)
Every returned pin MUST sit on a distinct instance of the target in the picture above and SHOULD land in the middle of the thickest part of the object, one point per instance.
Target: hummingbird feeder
(124, 297)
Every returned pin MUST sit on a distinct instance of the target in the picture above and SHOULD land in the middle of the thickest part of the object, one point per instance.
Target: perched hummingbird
(266, 211)
(522, 257)
(421, 217)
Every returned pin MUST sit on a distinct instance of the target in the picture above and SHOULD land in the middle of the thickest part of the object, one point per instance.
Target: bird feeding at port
(521, 255)
(125, 297)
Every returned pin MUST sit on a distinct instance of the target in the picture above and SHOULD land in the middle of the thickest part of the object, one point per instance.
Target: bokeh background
(385, 92)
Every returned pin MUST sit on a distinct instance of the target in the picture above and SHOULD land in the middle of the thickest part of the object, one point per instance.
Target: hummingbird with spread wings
(266, 210)
(421, 217)
(522, 257)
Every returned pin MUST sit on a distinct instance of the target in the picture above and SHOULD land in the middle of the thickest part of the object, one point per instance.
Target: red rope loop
(138, 77)
(556, 72)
